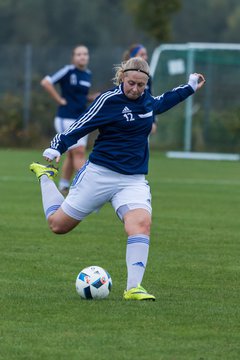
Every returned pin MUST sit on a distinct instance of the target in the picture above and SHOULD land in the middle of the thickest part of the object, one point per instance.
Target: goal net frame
(190, 49)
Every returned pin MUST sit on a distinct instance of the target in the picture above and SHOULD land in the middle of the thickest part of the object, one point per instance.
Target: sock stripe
(138, 236)
(138, 240)
(136, 258)
(52, 209)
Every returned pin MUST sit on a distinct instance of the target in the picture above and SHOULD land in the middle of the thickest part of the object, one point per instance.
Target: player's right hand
(51, 154)
(63, 101)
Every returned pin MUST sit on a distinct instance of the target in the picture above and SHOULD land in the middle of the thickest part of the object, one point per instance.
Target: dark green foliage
(40, 129)
(154, 16)
(220, 134)
(10, 120)
(207, 21)
(101, 22)
(65, 23)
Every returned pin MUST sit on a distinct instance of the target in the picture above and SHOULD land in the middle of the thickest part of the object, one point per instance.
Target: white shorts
(62, 124)
(95, 185)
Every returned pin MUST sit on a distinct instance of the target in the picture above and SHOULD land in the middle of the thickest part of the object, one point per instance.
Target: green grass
(193, 270)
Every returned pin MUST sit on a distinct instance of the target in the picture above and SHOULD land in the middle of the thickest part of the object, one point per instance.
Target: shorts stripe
(75, 180)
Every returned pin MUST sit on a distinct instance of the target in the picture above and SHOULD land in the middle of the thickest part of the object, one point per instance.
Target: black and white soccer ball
(93, 282)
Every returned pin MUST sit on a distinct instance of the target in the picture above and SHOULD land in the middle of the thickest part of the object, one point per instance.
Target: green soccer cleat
(138, 293)
(40, 170)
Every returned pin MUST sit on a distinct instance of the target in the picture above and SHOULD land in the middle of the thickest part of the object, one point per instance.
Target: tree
(232, 31)
(66, 23)
(154, 16)
(207, 21)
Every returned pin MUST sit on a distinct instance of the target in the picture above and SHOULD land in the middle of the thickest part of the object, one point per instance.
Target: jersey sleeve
(94, 117)
(169, 99)
(57, 76)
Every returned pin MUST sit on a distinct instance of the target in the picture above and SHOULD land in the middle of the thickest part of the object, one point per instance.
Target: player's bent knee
(57, 229)
(61, 226)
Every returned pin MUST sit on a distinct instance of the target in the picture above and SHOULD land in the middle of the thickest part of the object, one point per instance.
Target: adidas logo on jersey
(126, 110)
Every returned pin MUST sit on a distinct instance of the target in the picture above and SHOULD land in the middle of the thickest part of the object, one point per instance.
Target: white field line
(183, 181)
(7, 178)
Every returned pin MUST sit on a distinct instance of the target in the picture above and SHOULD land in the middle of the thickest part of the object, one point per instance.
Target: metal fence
(22, 68)
(208, 121)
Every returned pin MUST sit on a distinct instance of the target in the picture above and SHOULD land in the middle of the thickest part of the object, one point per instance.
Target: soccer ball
(93, 282)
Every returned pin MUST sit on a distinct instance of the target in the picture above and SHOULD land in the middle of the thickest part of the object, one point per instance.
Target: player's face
(80, 57)
(143, 54)
(134, 84)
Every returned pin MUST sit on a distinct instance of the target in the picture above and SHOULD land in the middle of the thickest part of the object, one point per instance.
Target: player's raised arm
(171, 98)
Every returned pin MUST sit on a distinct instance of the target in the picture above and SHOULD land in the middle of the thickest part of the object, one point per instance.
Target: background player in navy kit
(74, 81)
(117, 164)
(139, 50)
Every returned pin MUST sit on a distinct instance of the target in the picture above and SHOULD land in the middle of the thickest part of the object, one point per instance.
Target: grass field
(193, 269)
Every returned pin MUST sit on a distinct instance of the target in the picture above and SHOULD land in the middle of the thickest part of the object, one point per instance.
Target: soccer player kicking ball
(115, 171)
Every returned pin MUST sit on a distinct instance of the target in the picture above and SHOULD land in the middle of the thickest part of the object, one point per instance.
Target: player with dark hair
(135, 50)
(75, 82)
(117, 165)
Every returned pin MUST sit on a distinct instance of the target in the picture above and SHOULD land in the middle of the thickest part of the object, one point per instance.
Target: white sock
(136, 259)
(63, 183)
(52, 199)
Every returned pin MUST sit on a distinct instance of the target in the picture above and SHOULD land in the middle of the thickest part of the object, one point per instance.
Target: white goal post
(191, 50)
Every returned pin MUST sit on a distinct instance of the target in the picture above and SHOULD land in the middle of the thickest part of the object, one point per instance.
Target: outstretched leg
(52, 199)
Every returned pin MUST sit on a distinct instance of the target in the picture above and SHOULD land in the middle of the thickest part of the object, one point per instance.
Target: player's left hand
(51, 154)
(196, 81)
(201, 81)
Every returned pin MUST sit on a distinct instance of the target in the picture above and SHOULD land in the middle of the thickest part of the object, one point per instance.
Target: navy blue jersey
(124, 126)
(75, 85)
(149, 85)
(149, 89)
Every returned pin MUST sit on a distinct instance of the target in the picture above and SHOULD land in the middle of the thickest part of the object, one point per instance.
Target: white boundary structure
(201, 156)
(191, 48)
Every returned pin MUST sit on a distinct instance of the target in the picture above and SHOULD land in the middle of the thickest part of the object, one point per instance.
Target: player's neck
(81, 67)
